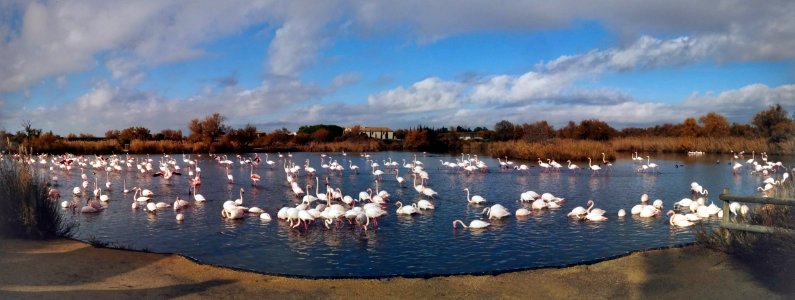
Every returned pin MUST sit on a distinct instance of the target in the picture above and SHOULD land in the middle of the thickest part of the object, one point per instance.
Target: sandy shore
(66, 269)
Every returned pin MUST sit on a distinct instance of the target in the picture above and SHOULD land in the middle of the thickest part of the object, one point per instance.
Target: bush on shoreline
(25, 209)
(767, 256)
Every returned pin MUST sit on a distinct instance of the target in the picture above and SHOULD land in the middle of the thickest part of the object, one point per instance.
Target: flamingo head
(670, 213)
(589, 202)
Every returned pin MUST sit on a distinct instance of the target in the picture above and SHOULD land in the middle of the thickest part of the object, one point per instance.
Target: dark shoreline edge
(390, 276)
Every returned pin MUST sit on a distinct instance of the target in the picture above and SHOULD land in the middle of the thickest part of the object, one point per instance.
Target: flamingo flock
(335, 208)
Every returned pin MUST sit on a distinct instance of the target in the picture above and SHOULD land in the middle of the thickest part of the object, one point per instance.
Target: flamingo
(239, 201)
(522, 212)
(572, 167)
(230, 179)
(579, 211)
(265, 217)
(406, 210)
(474, 199)
(377, 173)
(179, 203)
(543, 165)
(678, 220)
(365, 195)
(474, 224)
(103, 197)
(125, 190)
(595, 168)
(353, 167)
(749, 161)
(595, 211)
(197, 197)
(399, 178)
(304, 217)
(321, 197)
(232, 212)
(90, 207)
(425, 204)
(496, 211)
(373, 211)
(649, 211)
(607, 163)
(419, 187)
(651, 165)
(254, 177)
(429, 192)
(698, 189)
(736, 167)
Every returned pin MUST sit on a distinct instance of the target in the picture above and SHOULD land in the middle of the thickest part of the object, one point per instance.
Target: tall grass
(25, 209)
(557, 149)
(141, 147)
(685, 144)
(769, 257)
(348, 146)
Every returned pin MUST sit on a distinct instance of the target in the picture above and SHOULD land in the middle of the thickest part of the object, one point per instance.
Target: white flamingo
(474, 224)
(496, 211)
(197, 197)
(406, 210)
(474, 199)
(572, 167)
(594, 168)
(399, 178)
(651, 165)
(679, 220)
(425, 204)
(239, 201)
(522, 212)
(607, 163)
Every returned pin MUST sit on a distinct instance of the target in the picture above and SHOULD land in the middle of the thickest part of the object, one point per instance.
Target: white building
(383, 133)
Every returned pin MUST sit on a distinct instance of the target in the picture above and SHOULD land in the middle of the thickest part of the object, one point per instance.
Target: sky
(94, 65)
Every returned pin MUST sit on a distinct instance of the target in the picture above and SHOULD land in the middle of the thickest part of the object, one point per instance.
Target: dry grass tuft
(25, 209)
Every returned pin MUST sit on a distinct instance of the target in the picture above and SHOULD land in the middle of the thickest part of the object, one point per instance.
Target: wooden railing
(726, 223)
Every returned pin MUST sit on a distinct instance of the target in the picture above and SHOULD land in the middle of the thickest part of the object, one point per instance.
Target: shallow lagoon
(420, 245)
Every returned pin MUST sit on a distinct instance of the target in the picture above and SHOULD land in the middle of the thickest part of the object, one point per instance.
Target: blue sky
(91, 66)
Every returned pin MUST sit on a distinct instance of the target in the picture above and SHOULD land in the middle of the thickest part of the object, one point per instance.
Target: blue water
(419, 245)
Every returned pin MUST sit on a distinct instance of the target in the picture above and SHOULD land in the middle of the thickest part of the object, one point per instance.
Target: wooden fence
(726, 223)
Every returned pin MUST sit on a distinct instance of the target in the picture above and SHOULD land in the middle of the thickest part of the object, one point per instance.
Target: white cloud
(740, 104)
(430, 94)
(345, 79)
(116, 107)
(746, 30)
(45, 39)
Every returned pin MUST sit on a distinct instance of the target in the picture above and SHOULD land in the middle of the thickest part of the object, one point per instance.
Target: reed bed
(138, 146)
(685, 144)
(557, 149)
(107, 146)
(360, 146)
(25, 209)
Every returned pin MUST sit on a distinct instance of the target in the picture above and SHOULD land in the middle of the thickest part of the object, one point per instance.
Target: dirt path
(66, 269)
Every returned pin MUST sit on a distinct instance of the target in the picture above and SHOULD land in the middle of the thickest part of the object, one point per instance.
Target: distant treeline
(771, 131)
